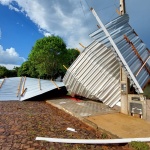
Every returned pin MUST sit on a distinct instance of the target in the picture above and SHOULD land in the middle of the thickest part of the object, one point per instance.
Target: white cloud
(10, 56)
(65, 19)
(9, 66)
(70, 19)
(14, 8)
(47, 34)
(5, 2)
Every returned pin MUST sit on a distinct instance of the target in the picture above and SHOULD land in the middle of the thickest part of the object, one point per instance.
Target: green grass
(139, 146)
(147, 91)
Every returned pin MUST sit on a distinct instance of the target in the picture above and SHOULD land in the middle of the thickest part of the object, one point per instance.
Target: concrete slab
(104, 118)
(121, 125)
(82, 108)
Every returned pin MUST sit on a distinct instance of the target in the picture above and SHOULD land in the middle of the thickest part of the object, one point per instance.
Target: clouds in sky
(10, 56)
(70, 19)
(65, 19)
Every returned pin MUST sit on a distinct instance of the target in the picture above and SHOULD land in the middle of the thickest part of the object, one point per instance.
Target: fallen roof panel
(22, 88)
(130, 46)
(95, 75)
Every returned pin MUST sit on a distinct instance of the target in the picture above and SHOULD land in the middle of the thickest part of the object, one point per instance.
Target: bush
(139, 145)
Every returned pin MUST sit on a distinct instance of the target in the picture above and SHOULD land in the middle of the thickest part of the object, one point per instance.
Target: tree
(3, 72)
(47, 56)
(27, 69)
(72, 55)
(13, 72)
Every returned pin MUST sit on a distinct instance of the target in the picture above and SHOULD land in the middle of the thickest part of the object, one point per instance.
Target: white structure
(22, 88)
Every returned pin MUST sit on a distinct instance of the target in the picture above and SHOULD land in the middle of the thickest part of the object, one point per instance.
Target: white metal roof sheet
(95, 75)
(12, 88)
(118, 29)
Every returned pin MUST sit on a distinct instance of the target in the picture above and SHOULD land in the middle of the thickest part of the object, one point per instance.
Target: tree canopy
(72, 54)
(47, 58)
(4, 72)
(48, 55)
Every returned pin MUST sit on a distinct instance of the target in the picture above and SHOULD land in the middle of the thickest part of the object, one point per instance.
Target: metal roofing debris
(130, 51)
(22, 88)
(93, 141)
(95, 74)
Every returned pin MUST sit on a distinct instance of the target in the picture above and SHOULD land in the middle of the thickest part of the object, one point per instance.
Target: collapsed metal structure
(95, 74)
(23, 88)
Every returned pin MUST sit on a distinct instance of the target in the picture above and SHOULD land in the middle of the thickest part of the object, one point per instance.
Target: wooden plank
(23, 84)
(118, 12)
(23, 92)
(65, 67)
(82, 45)
(2, 82)
(55, 84)
(19, 87)
(39, 84)
(142, 66)
(136, 52)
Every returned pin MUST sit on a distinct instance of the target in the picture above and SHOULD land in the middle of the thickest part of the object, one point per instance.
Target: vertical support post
(122, 7)
(39, 84)
(124, 84)
(123, 78)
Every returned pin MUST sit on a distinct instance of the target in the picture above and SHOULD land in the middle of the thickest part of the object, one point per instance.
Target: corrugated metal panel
(95, 75)
(117, 29)
(9, 89)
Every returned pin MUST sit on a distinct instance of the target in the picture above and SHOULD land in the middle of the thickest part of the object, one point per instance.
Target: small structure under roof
(95, 74)
(23, 88)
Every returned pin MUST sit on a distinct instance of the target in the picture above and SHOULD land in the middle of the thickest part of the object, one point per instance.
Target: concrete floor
(148, 109)
(82, 108)
(102, 117)
(122, 125)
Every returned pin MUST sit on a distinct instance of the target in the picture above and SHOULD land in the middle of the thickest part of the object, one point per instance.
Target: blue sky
(22, 22)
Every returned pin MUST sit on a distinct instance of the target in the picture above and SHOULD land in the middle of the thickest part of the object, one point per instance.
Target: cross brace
(136, 52)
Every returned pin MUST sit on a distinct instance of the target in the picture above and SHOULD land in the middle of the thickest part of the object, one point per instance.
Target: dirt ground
(22, 122)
